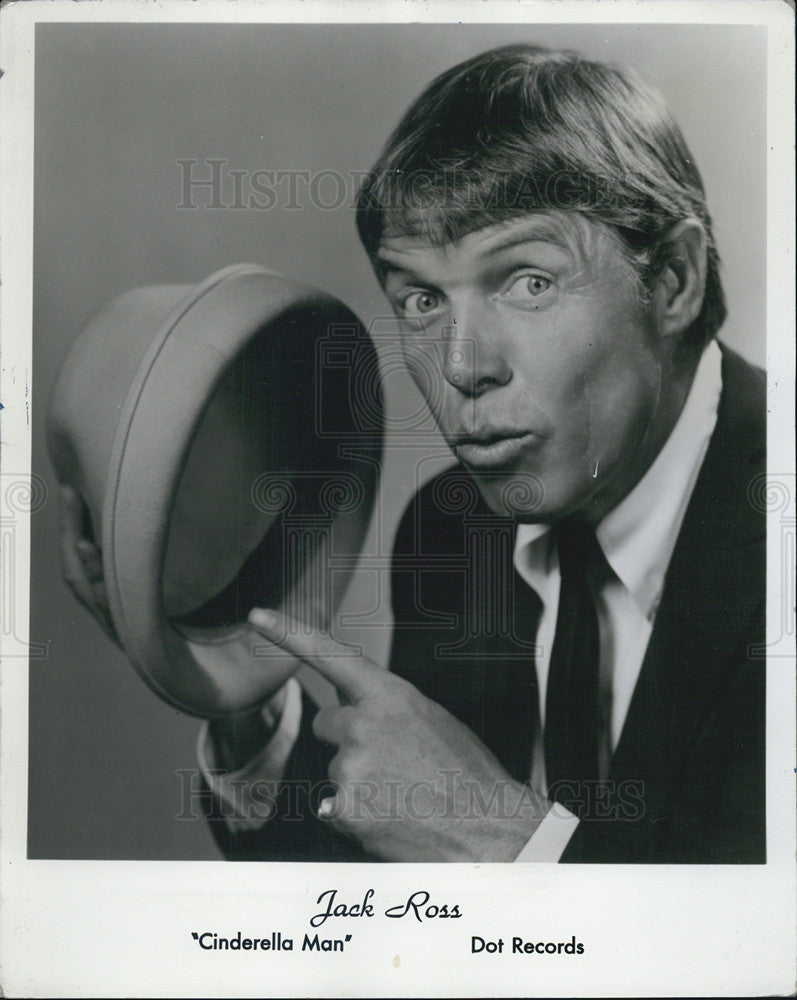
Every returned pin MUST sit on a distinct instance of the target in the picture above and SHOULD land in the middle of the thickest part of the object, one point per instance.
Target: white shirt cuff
(247, 796)
(548, 842)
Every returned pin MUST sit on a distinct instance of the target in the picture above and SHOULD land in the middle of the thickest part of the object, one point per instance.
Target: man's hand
(237, 737)
(81, 561)
(414, 783)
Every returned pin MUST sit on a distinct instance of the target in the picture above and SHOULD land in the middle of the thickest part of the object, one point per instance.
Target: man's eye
(528, 286)
(420, 303)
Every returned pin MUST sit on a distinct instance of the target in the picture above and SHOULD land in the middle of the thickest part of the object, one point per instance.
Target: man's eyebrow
(386, 268)
(536, 231)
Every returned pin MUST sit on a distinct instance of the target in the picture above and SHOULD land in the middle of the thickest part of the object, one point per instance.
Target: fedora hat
(225, 439)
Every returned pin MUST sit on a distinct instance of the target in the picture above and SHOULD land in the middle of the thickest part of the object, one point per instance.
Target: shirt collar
(638, 536)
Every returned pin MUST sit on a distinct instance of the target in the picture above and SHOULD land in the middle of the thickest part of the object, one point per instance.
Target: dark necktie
(572, 707)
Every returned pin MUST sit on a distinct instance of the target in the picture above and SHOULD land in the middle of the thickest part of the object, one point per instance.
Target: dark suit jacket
(687, 779)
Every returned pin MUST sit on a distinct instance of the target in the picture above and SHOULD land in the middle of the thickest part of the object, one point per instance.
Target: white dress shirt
(637, 538)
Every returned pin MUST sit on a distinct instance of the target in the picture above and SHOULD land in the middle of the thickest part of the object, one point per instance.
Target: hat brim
(216, 669)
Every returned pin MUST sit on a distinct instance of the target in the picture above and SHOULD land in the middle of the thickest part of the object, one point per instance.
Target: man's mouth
(493, 449)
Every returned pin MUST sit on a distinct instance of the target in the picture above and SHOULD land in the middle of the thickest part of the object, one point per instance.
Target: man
(577, 602)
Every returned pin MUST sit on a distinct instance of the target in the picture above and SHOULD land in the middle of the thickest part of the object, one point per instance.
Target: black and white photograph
(398, 501)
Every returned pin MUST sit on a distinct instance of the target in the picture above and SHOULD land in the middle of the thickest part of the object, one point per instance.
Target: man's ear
(681, 282)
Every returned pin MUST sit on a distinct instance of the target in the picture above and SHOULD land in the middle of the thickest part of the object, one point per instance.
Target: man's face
(541, 366)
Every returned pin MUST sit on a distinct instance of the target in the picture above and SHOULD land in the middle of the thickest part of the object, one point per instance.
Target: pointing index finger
(352, 674)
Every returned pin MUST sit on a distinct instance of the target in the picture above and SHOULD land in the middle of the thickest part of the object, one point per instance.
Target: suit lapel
(713, 586)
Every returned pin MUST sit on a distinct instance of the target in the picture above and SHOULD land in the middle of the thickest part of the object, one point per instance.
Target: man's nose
(473, 359)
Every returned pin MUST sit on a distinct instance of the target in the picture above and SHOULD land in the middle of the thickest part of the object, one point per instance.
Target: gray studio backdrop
(117, 106)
